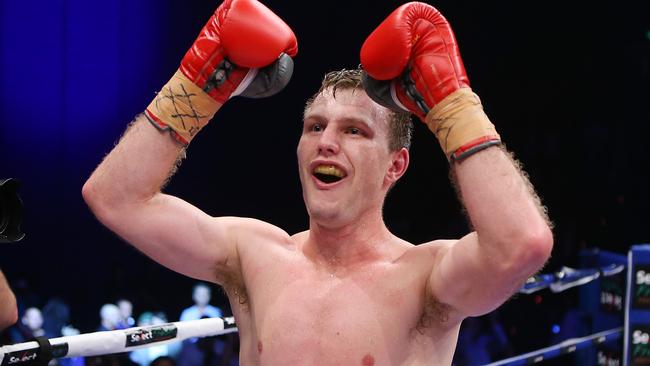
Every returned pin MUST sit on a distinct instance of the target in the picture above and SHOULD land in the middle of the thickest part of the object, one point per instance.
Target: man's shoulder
(425, 253)
(213, 311)
(437, 244)
(250, 228)
(300, 237)
(187, 312)
(256, 238)
(432, 246)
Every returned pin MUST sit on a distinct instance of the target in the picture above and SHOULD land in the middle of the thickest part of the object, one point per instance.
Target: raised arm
(244, 49)
(413, 63)
(512, 239)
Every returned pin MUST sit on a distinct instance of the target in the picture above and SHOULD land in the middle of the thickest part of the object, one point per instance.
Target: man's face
(33, 319)
(343, 157)
(110, 314)
(201, 295)
(126, 308)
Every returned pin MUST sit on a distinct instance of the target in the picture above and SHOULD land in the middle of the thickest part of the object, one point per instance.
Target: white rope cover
(116, 341)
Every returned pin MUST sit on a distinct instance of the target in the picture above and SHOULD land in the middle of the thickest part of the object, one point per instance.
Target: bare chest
(304, 315)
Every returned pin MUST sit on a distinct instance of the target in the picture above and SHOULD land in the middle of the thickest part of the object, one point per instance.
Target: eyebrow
(350, 120)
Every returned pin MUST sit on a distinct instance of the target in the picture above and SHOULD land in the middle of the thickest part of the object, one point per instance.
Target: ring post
(602, 304)
(636, 348)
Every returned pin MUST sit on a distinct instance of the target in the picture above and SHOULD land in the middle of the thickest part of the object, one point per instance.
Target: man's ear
(399, 164)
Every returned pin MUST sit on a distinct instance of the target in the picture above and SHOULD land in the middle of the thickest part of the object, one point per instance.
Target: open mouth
(328, 174)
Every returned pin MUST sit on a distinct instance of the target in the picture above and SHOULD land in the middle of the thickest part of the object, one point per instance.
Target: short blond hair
(400, 123)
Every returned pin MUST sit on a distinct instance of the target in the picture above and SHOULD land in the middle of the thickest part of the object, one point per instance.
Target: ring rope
(115, 341)
(562, 348)
(567, 278)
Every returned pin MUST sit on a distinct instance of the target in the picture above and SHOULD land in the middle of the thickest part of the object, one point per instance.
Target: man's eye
(354, 131)
(316, 127)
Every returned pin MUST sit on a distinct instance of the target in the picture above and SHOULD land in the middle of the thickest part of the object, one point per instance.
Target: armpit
(235, 289)
(434, 313)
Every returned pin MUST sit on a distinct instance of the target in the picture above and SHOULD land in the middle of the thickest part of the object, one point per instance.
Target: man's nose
(328, 143)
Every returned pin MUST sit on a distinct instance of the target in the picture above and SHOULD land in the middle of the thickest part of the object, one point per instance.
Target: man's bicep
(468, 280)
(179, 236)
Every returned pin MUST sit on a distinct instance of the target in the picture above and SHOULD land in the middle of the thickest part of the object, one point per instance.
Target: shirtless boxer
(346, 291)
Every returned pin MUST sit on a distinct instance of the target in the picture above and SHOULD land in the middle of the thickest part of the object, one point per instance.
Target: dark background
(565, 83)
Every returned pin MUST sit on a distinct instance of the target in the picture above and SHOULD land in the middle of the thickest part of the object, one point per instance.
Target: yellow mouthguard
(329, 170)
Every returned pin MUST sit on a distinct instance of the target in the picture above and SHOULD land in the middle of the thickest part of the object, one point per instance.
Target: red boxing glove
(244, 49)
(413, 63)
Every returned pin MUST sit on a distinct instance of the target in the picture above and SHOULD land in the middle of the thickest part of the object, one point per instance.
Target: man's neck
(358, 242)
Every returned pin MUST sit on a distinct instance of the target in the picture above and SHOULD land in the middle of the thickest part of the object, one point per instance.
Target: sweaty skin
(370, 312)
(346, 291)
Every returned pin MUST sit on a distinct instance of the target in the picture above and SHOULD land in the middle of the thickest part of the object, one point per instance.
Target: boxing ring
(615, 290)
(622, 312)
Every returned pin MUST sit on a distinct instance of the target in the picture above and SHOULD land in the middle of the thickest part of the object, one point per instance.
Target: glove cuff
(182, 108)
(461, 125)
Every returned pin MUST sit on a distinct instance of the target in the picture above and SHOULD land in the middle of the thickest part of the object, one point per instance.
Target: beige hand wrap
(182, 107)
(461, 125)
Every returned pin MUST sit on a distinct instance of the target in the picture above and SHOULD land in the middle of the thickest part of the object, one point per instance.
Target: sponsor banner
(641, 287)
(640, 345)
(24, 357)
(32, 356)
(608, 357)
(152, 334)
(229, 322)
(612, 293)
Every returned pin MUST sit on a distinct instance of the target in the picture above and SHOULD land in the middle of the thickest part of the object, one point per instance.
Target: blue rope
(562, 348)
